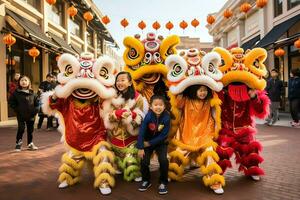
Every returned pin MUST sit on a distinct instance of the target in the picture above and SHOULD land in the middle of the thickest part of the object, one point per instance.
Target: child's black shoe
(144, 186)
(162, 189)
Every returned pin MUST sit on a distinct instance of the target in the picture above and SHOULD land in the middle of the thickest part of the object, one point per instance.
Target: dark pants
(294, 108)
(49, 121)
(161, 151)
(21, 129)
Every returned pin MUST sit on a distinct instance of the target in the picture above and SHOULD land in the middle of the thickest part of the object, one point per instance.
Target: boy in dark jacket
(152, 137)
(294, 96)
(274, 90)
(25, 103)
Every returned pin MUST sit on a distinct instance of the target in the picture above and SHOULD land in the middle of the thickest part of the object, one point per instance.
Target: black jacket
(274, 89)
(24, 103)
(294, 88)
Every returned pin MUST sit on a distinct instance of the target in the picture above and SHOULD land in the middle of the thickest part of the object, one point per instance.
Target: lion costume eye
(147, 58)
(177, 68)
(132, 54)
(134, 51)
(156, 57)
(210, 63)
(69, 67)
(103, 69)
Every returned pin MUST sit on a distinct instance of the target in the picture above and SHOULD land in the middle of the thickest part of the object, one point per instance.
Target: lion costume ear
(255, 59)
(134, 52)
(69, 67)
(168, 45)
(104, 70)
(226, 58)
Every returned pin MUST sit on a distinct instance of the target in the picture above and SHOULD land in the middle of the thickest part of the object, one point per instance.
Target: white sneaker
(219, 191)
(105, 191)
(63, 184)
(256, 178)
(118, 171)
(32, 147)
(138, 179)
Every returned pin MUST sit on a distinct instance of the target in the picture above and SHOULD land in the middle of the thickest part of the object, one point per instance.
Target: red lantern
(88, 16)
(72, 11)
(297, 43)
(261, 3)
(156, 25)
(51, 2)
(183, 25)
(195, 23)
(227, 13)
(210, 19)
(34, 52)
(9, 40)
(142, 25)
(124, 23)
(279, 52)
(10, 61)
(169, 25)
(105, 20)
(245, 7)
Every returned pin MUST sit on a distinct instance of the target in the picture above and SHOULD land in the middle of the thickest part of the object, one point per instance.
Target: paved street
(32, 175)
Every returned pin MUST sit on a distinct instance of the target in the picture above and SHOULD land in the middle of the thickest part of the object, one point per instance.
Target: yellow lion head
(145, 59)
(243, 67)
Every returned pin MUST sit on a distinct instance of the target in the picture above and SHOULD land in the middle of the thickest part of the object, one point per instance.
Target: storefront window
(75, 27)
(34, 3)
(293, 3)
(277, 7)
(55, 12)
(89, 38)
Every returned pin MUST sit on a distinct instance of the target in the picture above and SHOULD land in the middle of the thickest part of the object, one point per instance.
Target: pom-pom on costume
(242, 73)
(84, 84)
(200, 121)
(144, 60)
(122, 120)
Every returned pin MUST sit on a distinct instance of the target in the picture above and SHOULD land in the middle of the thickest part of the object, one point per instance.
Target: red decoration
(72, 11)
(9, 40)
(297, 43)
(261, 3)
(169, 25)
(210, 19)
(124, 23)
(142, 25)
(245, 7)
(195, 23)
(227, 13)
(51, 2)
(88, 16)
(279, 52)
(156, 25)
(183, 25)
(105, 20)
(34, 52)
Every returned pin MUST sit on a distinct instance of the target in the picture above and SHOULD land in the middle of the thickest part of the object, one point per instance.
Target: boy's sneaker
(18, 146)
(32, 147)
(295, 124)
(144, 186)
(162, 189)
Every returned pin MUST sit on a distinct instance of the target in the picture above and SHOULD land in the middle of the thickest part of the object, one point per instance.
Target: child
(152, 137)
(26, 105)
(123, 120)
(195, 137)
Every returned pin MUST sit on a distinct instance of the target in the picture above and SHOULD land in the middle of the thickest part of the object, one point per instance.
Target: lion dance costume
(85, 84)
(200, 121)
(144, 60)
(242, 72)
(123, 131)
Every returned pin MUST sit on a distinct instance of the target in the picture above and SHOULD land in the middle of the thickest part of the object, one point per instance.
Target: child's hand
(146, 144)
(141, 153)
(252, 93)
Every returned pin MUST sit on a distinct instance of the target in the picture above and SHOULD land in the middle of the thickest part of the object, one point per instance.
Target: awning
(76, 49)
(60, 41)
(251, 43)
(277, 32)
(32, 29)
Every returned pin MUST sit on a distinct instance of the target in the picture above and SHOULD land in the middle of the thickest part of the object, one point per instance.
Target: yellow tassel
(212, 168)
(66, 177)
(104, 177)
(102, 155)
(174, 176)
(104, 167)
(69, 161)
(180, 156)
(212, 144)
(201, 160)
(176, 168)
(66, 168)
(185, 146)
(214, 179)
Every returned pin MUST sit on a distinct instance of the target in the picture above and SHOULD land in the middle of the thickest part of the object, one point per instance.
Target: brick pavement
(32, 175)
